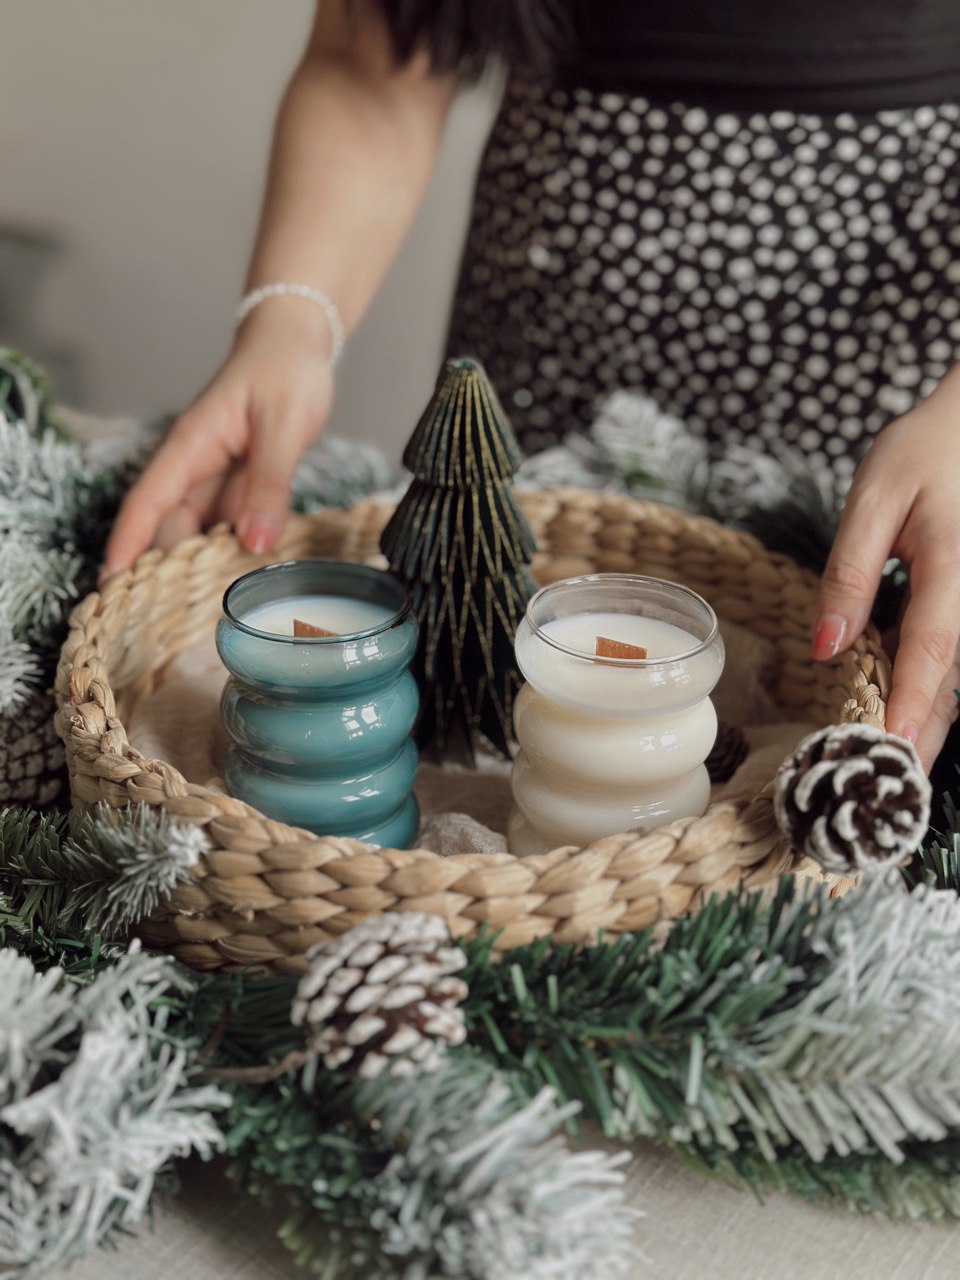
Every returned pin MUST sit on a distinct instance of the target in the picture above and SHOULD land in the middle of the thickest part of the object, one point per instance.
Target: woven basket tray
(265, 892)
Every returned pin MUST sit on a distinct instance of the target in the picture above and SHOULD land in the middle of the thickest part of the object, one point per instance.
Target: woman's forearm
(355, 142)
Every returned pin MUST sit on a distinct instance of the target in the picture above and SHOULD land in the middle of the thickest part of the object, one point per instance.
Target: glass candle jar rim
(634, 579)
(388, 623)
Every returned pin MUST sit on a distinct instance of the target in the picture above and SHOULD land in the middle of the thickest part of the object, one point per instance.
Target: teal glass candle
(320, 726)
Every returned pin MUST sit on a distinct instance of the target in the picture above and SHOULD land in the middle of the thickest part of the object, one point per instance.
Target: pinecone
(852, 797)
(383, 995)
(728, 753)
(32, 770)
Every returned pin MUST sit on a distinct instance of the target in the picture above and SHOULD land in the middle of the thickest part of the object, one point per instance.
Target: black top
(823, 56)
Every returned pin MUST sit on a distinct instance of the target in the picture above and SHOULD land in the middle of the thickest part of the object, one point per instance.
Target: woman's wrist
(295, 292)
(293, 325)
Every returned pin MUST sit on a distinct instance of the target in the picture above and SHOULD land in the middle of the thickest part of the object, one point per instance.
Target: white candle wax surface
(340, 614)
(674, 674)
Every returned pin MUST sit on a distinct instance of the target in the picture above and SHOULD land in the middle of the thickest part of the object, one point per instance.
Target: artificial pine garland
(807, 1024)
(445, 1174)
(804, 1043)
(55, 510)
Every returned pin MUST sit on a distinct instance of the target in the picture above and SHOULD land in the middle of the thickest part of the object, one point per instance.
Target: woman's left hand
(905, 502)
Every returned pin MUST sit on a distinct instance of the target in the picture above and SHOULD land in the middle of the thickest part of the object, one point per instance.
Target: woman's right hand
(232, 455)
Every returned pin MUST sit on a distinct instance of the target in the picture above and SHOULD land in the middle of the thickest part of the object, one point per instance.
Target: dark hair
(464, 35)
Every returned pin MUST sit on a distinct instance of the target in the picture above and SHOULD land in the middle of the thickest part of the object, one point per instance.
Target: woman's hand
(231, 456)
(905, 502)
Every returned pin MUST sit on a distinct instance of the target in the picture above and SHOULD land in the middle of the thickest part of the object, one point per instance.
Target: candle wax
(580, 630)
(334, 613)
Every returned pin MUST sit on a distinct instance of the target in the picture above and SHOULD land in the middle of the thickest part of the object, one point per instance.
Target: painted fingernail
(259, 533)
(828, 636)
(910, 732)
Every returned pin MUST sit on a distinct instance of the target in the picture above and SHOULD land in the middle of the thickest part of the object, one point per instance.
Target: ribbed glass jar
(320, 727)
(612, 744)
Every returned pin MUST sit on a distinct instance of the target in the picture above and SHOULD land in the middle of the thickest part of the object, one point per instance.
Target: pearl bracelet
(322, 300)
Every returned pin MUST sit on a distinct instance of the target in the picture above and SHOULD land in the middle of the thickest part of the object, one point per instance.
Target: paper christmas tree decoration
(461, 545)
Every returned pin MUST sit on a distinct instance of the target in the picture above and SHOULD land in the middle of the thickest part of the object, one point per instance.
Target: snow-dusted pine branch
(97, 1099)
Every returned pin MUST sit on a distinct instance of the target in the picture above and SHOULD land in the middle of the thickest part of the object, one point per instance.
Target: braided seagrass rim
(263, 892)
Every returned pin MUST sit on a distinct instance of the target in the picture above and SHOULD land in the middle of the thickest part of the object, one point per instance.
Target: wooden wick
(607, 648)
(307, 631)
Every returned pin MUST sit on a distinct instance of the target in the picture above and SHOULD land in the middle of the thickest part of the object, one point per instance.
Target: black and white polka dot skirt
(786, 281)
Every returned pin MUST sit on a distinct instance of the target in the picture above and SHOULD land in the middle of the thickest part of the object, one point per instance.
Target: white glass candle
(612, 744)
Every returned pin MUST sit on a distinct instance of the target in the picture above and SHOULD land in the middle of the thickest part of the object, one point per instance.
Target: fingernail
(910, 732)
(259, 533)
(829, 635)
(104, 576)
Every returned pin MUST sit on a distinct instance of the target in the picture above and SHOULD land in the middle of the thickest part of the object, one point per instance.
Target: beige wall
(137, 131)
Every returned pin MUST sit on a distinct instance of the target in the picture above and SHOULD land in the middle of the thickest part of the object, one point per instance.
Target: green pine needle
(937, 863)
(96, 873)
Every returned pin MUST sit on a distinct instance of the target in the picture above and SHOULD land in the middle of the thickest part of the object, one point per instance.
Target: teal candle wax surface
(320, 727)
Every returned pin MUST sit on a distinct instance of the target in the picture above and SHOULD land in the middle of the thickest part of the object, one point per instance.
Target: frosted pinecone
(852, 796)
(32, 768)
(383, 995)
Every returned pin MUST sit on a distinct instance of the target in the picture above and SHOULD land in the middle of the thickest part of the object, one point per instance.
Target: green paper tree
(460, 543)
